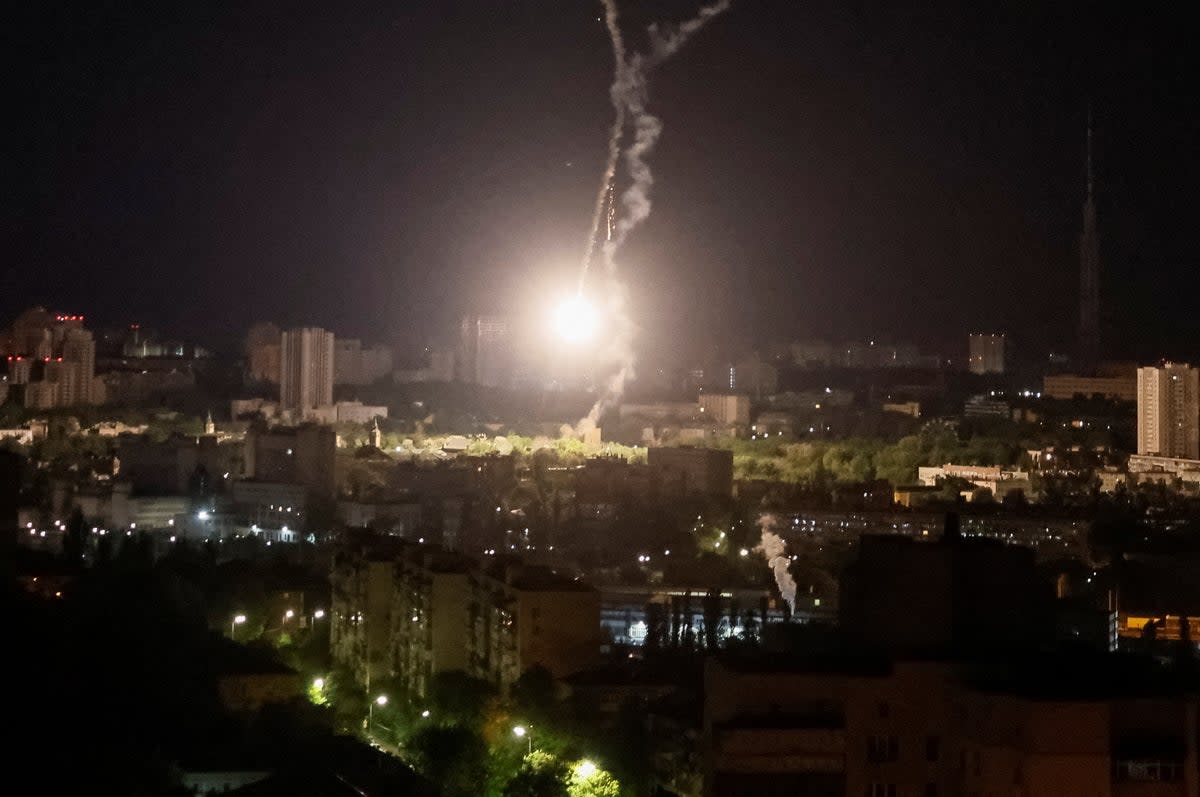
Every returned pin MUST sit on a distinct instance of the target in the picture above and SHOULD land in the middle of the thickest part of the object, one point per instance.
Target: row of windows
(1142, 770)
(887, 748)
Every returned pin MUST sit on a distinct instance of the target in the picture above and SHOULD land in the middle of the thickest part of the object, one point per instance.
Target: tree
(454, 756)
(588, 780)
(541, 775)
(456, 697)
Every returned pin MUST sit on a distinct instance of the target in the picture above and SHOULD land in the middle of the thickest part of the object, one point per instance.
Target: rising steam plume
(773, 549)
(629, 97)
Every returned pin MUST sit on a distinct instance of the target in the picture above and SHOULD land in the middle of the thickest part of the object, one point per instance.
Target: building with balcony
(847, 725)
(411, 611)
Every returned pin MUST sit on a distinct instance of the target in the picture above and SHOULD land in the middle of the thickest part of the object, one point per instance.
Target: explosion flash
(575, 320)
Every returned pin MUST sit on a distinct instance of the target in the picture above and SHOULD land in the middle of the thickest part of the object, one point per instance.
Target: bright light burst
(575, 319)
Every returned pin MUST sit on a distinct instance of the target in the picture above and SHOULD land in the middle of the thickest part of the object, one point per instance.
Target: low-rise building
(910, 408)
(303, 455)
(1070, 386)
(914, 495)
(357, 412)
(726, 409)
(699, 471)
(1145, 468)
(401, 518)
(985, 477)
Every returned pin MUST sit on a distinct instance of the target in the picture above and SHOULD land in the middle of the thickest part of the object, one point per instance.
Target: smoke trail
(629, 96)
(773, 548)
(611, 21)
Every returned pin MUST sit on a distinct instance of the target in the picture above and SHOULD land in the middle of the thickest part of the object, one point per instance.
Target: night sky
(827, 169)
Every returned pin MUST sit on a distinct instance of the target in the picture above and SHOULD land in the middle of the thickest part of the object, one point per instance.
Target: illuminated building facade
(262, 350)
(1068, 386)
(306, 371)
(54, 358)
(484, 350)
(1168, 417)
(985, 354)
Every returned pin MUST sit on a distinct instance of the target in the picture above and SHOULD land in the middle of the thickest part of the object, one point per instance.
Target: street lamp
(585, 769)
(289, 614)
(238, 619)
(318, 683)
(318, 614)
(425, 714)
(380, 701)
(521, 732)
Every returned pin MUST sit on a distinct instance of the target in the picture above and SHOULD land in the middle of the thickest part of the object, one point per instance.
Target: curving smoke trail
(773, 548)
(629, 97)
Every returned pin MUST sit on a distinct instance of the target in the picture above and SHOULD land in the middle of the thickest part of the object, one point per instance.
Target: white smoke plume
(629, 97)
(773, 549)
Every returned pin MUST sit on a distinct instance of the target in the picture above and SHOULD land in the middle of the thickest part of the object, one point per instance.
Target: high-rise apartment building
(306, 370)
(355, 365)
(262, 351)
(985, 354)
(1168, 422)
(484, 351)
(54, 358)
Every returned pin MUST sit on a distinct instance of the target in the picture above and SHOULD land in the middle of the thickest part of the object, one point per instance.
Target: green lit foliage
(588, 780)
(821, 464)
(541, 775)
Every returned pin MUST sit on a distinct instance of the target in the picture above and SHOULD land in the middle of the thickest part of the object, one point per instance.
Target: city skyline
(600, 398)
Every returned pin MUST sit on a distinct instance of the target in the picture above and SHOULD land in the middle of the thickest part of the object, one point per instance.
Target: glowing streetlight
(575, 319)
(318, 614)
(380, 701)
(425, 714)
(238, 619)
(521, 732)
(318, 683)
(289, 614)
(585, 769)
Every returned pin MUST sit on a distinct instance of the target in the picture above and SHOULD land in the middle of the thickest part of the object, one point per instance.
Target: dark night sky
(827, 169)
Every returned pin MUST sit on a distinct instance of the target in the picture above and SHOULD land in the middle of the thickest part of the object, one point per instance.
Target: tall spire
(1089, 270)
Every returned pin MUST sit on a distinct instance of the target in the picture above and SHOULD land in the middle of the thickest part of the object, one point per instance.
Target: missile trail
(603, 196)
(629, 97)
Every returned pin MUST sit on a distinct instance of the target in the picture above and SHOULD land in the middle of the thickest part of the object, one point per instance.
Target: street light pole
(520, 731)
(380, 701)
